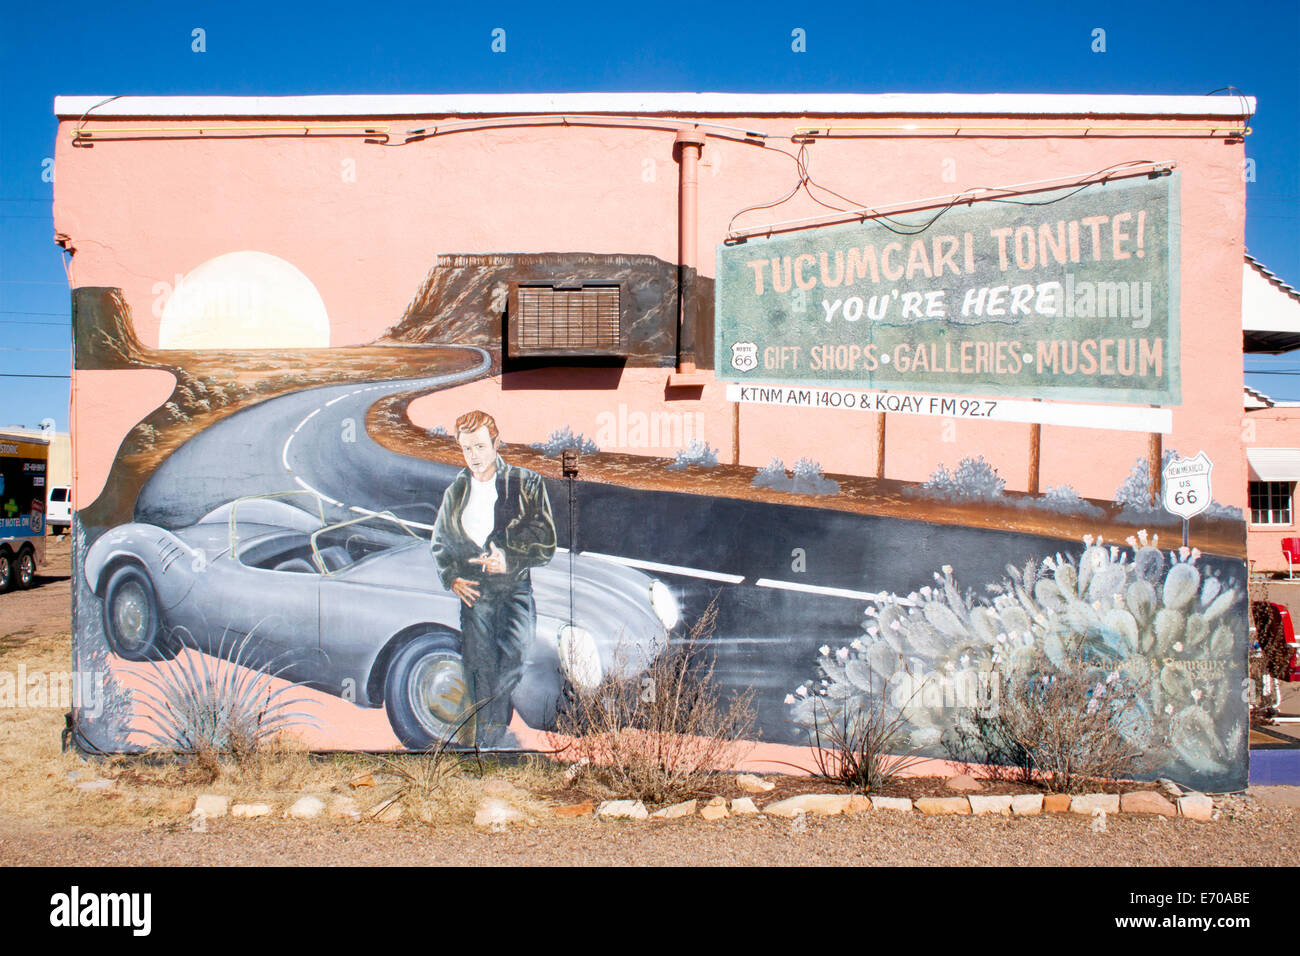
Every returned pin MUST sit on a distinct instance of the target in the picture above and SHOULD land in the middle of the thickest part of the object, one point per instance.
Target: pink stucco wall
(1277, 427)
(139, 213)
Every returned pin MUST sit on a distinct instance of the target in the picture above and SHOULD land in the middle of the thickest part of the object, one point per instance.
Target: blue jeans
(496, 635)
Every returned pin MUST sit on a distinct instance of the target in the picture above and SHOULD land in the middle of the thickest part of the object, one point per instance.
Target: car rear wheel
(26, 569)
(132, 622)
(6, 571)
(426, 692)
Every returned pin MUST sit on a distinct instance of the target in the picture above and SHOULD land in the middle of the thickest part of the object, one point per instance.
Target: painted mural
(357, 545)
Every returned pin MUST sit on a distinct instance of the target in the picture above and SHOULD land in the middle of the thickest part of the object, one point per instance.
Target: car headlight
(580, 658)
(664, 605)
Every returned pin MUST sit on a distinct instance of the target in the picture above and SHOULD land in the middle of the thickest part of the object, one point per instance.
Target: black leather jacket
(523, 528)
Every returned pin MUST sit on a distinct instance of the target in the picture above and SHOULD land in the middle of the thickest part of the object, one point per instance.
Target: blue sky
(289, 47)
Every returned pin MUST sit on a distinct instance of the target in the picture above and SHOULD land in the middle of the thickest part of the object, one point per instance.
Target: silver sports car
(355, 608)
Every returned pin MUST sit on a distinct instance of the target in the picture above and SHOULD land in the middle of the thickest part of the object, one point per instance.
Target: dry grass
(663, 735)
(862, 747)
(36, 783)
(40, 785)
(448, 790)
(1066, 721)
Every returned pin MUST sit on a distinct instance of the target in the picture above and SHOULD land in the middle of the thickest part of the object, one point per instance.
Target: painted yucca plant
(1167, 624)
(197, 703)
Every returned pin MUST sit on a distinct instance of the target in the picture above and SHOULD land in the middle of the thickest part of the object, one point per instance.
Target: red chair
(1291, 548)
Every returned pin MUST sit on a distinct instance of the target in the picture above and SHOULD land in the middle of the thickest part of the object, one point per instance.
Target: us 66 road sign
(1187, 485)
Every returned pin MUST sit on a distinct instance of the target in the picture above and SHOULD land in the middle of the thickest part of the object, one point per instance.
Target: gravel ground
(876, 838)
(1251, 834)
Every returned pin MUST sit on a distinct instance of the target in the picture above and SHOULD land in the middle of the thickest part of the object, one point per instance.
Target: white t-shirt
(480, 510)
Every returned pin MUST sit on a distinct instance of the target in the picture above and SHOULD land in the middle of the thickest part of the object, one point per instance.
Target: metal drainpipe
(691, 144)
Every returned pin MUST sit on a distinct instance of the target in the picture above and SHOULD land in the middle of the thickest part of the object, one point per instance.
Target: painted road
(788, 579)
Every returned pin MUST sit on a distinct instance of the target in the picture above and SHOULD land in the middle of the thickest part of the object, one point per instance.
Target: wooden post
(1035, 440)
(880, 444)
(735, 433)
(1155, 452)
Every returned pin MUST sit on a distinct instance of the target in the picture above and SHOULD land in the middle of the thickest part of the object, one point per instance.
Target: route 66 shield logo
(744, 356)
(1187, 485)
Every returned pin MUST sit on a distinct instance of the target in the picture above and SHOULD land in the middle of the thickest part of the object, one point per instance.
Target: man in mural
(494, 524)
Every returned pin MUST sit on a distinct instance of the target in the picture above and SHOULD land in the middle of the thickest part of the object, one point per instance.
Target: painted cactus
(1160, 620)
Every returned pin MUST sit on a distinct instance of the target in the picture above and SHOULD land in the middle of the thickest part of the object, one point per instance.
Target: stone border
(495, 813)
(1192, 806)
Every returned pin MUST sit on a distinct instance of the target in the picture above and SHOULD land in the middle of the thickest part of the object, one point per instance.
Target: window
(59, 494)
(582, 320)
(1270, 502)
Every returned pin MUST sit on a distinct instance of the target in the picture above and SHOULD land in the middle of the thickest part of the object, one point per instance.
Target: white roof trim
(1267, 303)
(1256, 399)
(1274, 464)
(743, 104)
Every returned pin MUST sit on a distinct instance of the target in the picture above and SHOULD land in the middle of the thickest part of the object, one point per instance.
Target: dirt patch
(46, 607)
(868, 839)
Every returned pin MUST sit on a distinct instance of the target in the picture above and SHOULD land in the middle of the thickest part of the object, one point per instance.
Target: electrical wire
(807, 183)
(1242, 97)
(82, 122)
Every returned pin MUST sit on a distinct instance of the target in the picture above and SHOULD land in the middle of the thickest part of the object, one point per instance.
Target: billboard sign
(1067, 294)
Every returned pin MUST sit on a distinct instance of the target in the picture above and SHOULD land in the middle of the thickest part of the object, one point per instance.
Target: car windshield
(329, 549)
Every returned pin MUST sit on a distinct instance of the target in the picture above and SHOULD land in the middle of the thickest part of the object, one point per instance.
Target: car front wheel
(132, 623)
(6, 571)
(426, 693)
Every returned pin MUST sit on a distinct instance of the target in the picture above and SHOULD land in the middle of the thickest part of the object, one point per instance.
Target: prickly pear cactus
(1162, 620)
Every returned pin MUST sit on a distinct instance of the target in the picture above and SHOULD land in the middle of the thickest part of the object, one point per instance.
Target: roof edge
(736, 104)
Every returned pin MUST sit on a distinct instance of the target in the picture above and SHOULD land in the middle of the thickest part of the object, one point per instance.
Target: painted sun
(244, 300)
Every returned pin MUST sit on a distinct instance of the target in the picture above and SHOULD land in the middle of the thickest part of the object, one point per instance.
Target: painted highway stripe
(669, 568)
(818, 589)
(307, 487)
(306, 420)
(337, 399)
(284, 455)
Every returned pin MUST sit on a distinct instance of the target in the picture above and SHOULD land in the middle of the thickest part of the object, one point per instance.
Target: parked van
(58, 509)
(23, 463)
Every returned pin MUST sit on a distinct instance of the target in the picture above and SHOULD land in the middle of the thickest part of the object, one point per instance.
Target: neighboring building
(1270, 312)
(850, 424)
